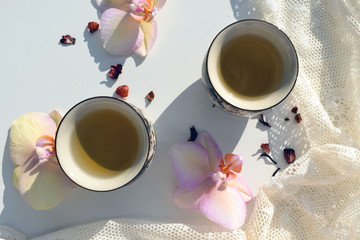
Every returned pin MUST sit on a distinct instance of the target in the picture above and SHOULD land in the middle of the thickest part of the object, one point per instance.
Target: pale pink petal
(212, 148)
(234, 162)
(159, 4)
(44, 185)
(191, 199)
(119, 4)
(242, 186)
(120, 32)
(56, 116)
(24, 133)
(190, 164)
(149, 30)
(224, 206)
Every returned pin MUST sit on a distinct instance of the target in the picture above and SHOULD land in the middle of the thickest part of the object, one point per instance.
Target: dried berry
(68, 40)
(294, 109)
(193, 134)
(262, 120)
(276, 171)
(93, 26)
(115, 71)
(286, 119)
(289, 155)
(267, 155)
(298, 118)
(150, 96)
(122, 91)
(265, 147)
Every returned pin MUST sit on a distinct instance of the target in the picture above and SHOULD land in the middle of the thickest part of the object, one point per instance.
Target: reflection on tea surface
(105, 142)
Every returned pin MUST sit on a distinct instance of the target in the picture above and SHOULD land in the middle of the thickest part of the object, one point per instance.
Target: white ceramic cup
(249, 106)
(75, 169)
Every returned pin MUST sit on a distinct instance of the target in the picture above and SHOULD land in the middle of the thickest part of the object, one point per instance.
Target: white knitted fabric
(317, 197)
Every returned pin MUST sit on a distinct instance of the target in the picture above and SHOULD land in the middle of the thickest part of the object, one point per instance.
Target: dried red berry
(289, 155)
(265, 147)
(294, 109)
(122, 91)
(298, 118)
(93, 26)
(115, 71)
(262, 120)
(150, 96)
(67, 39)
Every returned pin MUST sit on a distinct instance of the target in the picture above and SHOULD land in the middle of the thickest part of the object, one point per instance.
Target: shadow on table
(245, 9)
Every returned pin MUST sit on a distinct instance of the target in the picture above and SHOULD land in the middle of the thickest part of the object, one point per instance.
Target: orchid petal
(212, 148)
(191, 199)
(149, 29)
(242, 186)
(234, 162)
(56, 117)
(24, 133)
(120, 32)
(159, 4)
(43, 186)
(190, 164)
(119, 4)
(225, 206)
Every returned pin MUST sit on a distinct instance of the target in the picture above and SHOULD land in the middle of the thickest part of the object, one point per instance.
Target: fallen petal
(119, 4)
(159, 4)
(225, 206)
(212, 148)
(242, 185)
(190, 164)
(120, 32)
(56, 116)
(149, 31)
(43, 186)
(191, 199)
(24, 133)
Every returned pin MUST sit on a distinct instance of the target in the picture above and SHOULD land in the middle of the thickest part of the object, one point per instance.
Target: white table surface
(37, 75)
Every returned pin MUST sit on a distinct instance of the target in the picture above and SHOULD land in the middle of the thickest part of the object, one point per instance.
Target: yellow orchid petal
(44, 185)
(56, 116)
(24, 133)
(149, 30)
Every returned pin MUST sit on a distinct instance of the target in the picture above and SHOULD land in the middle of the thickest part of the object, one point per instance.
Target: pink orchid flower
(210, 183)
(37, 174)
(129, 26)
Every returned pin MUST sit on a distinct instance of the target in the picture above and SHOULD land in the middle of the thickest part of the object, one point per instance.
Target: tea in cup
(251, 66)
(104, 143)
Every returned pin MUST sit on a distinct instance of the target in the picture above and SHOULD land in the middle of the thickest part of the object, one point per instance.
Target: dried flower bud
(289, 155)
(115, 71)
(122, 91)
(262, 120)
(150, 96)
(93, 26)
(298, 118)
(68, 40)
(276, 172)
(193, 134)
(294, 109)
(265, 147)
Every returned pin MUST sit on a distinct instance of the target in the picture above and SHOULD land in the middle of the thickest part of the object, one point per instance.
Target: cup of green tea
(104, 143)
(251, 66)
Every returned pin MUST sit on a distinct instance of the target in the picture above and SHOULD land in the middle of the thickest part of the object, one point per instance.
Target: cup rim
(147, 134)
(217, 92)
